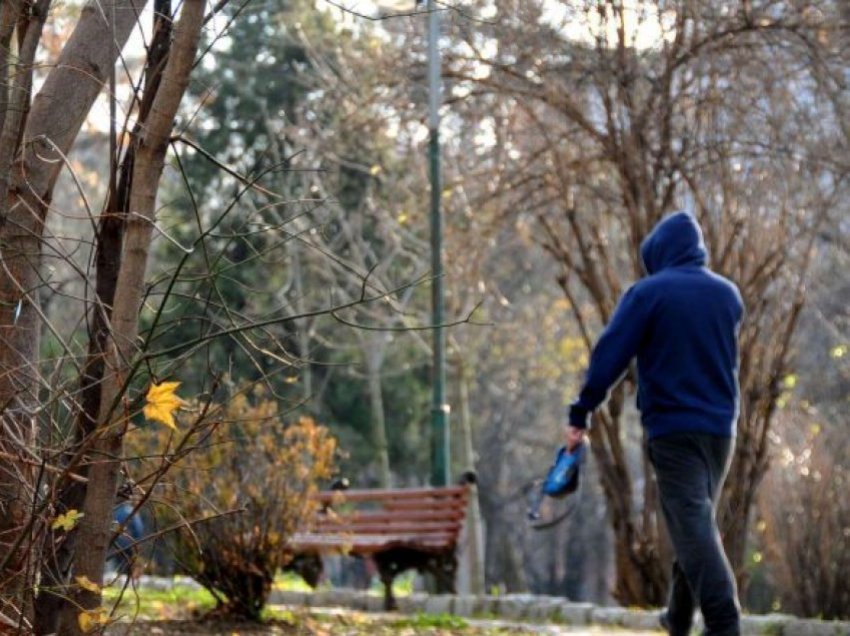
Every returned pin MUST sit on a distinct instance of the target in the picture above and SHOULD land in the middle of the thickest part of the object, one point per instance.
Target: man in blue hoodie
(681, 322)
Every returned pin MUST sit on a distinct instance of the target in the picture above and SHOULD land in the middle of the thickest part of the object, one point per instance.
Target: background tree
(600, 135)
(803, 517)
(334, 190)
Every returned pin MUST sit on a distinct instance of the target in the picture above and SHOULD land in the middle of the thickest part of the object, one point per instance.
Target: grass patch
(431, 621)
(290, 582)
(292, 616)
(402, 585)
(167, 610)
(179, 601)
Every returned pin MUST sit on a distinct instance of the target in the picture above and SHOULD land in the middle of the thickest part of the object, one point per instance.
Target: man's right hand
(574, 436)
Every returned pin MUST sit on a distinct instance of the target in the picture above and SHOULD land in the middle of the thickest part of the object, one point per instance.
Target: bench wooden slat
(368, 544)
(453, 504)
(425, 495)
(391, 516)
(396, 528)
(383, 521)
(432, 538)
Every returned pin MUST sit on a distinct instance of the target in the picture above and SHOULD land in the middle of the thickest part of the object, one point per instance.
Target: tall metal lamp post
(440, 452)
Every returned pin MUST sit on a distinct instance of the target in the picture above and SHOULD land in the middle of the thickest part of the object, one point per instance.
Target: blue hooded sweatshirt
(681, 322)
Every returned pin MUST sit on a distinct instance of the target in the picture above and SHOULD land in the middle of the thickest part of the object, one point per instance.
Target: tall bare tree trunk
(374, 362)
(44, 135)
(303, 336)
(95, 530)
(18, 402)
(473, 548)
(59, 546)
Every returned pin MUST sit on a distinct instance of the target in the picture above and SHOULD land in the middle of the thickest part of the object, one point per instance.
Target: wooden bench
(399, 529)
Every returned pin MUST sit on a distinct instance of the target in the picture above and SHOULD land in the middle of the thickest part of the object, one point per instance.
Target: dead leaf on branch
(67, 521)
(87, 584)
(162, 402)
(89, 620)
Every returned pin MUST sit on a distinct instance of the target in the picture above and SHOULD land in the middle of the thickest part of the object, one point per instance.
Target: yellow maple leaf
(93, 618)
(87, 584)
(162, 402)
(67, 521)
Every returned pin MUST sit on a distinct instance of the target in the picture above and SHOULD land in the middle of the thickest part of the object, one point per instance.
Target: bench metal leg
(308, 566)
(391, 563)
(388, 568)
(444, 569)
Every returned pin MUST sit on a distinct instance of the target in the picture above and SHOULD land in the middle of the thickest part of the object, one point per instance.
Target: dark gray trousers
(690, 469)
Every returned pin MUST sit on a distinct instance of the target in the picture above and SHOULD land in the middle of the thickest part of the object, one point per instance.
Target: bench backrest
(427, 518)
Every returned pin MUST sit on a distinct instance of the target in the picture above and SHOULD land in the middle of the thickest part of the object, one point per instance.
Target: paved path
(513, 627)
(585, 631)
(558, 630)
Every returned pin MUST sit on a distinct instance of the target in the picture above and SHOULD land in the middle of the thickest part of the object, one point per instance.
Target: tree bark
(51, 125)
(59, 546)
(16, 103)
(9, 14)
(95, 530)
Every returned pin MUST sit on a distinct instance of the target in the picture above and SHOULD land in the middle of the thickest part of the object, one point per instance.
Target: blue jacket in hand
(681, 322)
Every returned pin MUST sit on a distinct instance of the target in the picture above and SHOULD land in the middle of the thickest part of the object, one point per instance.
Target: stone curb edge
(545, 608)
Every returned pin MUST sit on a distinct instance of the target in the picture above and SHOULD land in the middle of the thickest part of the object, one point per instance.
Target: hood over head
(674, 242)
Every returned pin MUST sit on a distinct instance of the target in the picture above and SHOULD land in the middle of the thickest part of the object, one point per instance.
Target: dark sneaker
(664, 621)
